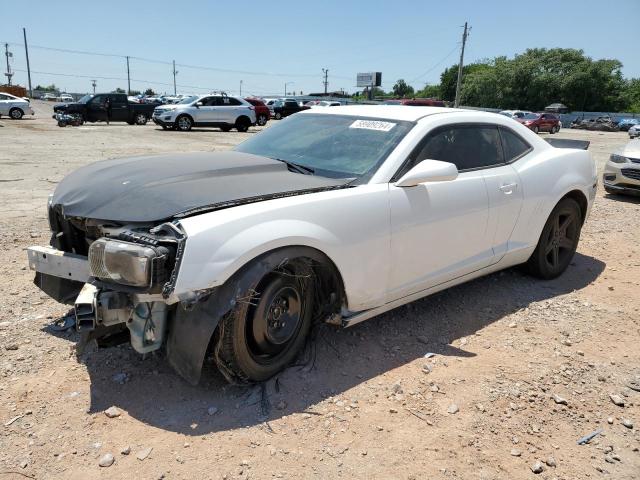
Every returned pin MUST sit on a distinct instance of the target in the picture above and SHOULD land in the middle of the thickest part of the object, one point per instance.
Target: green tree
(429, 91)
(149, 91)
(631, 95)
(119, 90)
(47, 88)
(401, 89)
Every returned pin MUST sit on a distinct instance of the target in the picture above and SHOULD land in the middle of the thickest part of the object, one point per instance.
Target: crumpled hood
(156, 188)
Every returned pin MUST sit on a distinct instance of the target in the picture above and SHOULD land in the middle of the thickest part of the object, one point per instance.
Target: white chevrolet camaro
(334, 215)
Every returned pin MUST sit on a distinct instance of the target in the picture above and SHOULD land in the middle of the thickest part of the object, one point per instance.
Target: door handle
(509, 188)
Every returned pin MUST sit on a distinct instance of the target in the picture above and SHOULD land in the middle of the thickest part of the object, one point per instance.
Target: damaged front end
(119, 278)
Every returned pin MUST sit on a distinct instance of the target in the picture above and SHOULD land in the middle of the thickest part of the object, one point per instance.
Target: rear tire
(262, 120)
(558, 241)
(140, 119)
(243, 124)
(554, 130)
(16, 113)
(184, 123)
(262, 335)
(536, 130)
(278, 116)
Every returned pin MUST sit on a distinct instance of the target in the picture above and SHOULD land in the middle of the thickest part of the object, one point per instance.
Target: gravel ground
(522, 369)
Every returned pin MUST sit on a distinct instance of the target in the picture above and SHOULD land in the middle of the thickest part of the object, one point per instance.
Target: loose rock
(112, 412)
(617, 400)
(106, 460)
(453, 409)
(627, 423)
(537, 467)
(559, 400)
(212, 410)
(142, 454)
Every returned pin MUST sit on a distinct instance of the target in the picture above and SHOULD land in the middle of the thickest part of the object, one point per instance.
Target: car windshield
(337, 146)
(85, 99)
(187, 100)
(531, 116)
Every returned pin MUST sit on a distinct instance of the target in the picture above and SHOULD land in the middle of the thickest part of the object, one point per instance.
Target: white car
(634, 131)
(622, 171)
(214, 110)
(14, 107)
(515, 114)
(326, 103)
(65, 97)
(51, 97)
(336, 215)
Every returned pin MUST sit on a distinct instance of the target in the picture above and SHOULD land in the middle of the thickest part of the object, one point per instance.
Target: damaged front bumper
(96, 307)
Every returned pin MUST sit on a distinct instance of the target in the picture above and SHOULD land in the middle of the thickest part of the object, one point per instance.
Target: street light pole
(285, 87)
(240, 87)
(93, 84)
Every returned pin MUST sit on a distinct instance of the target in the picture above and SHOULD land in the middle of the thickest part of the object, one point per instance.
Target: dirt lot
(364, 402)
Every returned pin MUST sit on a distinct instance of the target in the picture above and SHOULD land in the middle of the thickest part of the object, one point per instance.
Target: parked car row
(537, 122)
(52, 97)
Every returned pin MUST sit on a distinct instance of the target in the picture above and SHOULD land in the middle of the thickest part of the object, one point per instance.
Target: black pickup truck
(114, 107)
(284, 108)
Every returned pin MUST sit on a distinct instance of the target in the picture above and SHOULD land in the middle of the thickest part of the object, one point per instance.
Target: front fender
(204, 267)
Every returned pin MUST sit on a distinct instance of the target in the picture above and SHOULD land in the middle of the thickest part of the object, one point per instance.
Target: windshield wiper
(298, 168)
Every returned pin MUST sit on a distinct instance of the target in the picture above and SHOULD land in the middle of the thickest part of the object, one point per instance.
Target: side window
(223, 101)
(466, 146)
(3, 97)
(119, 99)
(208, 101)
(514, 147)
(98, 99)
(234, 101)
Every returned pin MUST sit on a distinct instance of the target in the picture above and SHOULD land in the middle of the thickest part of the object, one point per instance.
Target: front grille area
(631, 173)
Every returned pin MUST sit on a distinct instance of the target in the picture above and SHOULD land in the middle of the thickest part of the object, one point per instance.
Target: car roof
(391, 112)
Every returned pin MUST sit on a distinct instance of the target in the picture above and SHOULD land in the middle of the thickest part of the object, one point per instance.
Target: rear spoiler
(568, 143)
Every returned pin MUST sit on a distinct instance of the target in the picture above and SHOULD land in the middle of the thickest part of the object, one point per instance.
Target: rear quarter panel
(547, 175)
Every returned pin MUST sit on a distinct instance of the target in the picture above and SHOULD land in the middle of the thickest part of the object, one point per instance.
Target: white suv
(14, 107)
(213, 110)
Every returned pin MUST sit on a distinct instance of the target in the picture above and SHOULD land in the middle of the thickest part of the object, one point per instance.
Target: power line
(436, 65)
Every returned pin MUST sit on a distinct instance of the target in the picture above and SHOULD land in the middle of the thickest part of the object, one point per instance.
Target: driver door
(96, 110)
(440, 230)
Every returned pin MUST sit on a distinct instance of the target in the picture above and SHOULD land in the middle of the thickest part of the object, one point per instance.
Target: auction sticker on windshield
(373, 125)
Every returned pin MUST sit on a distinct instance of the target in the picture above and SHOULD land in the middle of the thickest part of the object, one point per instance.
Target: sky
(270, 46)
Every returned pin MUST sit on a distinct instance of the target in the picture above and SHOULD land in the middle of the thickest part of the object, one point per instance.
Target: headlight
(618, 158)
(127, 263)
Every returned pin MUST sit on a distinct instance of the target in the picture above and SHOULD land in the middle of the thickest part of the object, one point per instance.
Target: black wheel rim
(275, 321)
(561, 240)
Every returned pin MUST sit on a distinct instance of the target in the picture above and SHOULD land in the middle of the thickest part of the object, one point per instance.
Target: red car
(417, 102)
(541, 122)
(262, 111)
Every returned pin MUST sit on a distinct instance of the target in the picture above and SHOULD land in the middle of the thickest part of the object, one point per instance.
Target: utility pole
(459, 83)
(8, 54)
(128, 78)
(93, 84)
(240, 87)
(175, 91)
(26, 51)
(326, 81)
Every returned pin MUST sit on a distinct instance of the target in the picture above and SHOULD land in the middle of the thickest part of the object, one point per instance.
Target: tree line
(534, 79)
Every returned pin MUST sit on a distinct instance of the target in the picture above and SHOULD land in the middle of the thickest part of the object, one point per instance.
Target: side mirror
(198, 104)
(428, 171)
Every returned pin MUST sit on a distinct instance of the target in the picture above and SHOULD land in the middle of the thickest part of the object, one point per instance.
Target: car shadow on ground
(623, 198)
(334, 362)
(205, 130)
